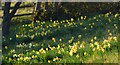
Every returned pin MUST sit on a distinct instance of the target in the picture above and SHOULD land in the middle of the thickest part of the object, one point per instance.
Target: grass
(65, 41)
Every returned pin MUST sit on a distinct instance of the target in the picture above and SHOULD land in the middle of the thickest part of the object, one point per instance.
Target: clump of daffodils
(82, 45)
(73, 50)
(12, 51)
(27, 59)
(42, 50)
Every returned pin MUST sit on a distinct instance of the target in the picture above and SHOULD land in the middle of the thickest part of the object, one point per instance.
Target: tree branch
(15, 9)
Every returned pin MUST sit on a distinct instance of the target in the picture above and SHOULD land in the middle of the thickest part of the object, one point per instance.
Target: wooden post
(33, 15)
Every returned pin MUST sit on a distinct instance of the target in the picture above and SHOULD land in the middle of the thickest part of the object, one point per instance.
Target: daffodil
(42, 50)
(32, 36)
(85, 53)
(37, 53)
(85, 17)
(25, 24)
(77, 56)
(17, 36)
(46, 49)
(95, 38)
(91, 45)
(33, 56)
(115, 38)
(114, 24)
(81, 23)
(10, 59)
(109, 20)
(0, 50)
(81, 17)
(109, 45)
(63, 21)
(59, 52)
(71, 53)
(42, 44)
(58, 27)
(21, 58)
(65, 26)
(91, 40)
(102, 50)
(85, 28)
(94, 18)
(79, 36)
(13, 50)
(96, 43)
(116, 27)
(72, 19)
(98, 47)
(78, 42)
(78, 19)
(93, 49)
(108, 30)
(104, 46)
(93, 23)
(62, 49)
(51, 20)
(53, 59)
(56, 58)
(48, 61)
(109, 12)
(52, 48)
(110, 34)
(36, 44)
(116, 15)
(60, 39)
(10, 38)
(6, 47)
(53, 39)
(20, 55)
(58, 46)
(33, 51)
(70, 41)
(74, 50)
(15, 55)
(91, 26)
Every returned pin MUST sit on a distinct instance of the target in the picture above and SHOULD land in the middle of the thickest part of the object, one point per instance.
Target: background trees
(65, 10)
(59, 11)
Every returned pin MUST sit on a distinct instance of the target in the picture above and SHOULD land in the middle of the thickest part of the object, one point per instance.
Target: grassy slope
(100, 30)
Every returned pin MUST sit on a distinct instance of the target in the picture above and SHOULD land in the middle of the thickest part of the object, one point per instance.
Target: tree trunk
(7, 17)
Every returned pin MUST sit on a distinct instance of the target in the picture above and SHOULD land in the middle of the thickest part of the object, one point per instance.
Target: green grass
(101, 25)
